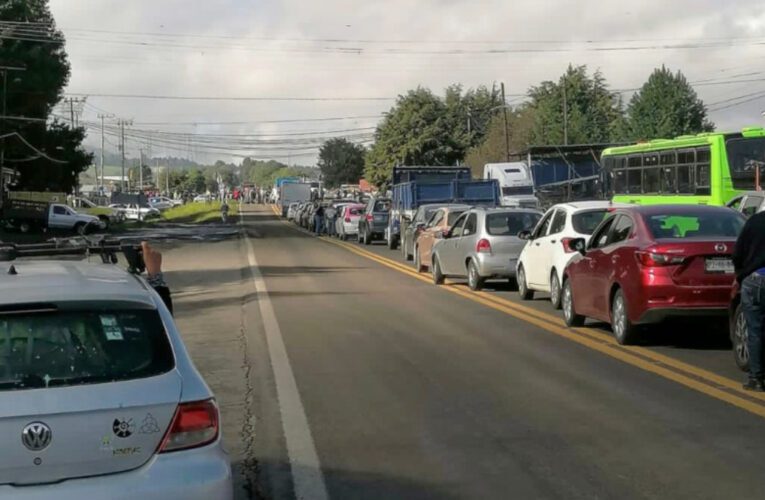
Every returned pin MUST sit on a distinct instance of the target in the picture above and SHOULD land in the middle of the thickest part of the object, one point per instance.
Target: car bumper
(663, 301)
(200, 474)
(496, 266)
(659, 314)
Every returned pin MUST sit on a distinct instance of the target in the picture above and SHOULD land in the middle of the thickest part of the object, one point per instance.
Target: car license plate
(719, 265)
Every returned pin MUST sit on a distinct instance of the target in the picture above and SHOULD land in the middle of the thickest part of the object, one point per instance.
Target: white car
(163, 202)
(134, 212)
(202, 198)
(291, 211)
(347, 223)
(546, 254)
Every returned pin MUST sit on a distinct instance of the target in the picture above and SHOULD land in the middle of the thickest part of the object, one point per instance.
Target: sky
(332, 59)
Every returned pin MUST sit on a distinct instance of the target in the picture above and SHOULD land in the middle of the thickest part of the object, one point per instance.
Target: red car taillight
(483, 246)
(652, 259)
(194, 425)
(565, 242)
(370, 218)
(347, 218)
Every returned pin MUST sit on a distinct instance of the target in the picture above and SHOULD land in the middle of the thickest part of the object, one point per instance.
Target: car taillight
(347, 218)
(652, 259)
(483, 246)
(370, 218)
(565, 242)
(194, 425)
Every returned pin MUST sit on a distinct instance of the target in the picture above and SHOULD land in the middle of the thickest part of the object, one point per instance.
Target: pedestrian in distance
(318, 220)
(749, 264)
(224, 211)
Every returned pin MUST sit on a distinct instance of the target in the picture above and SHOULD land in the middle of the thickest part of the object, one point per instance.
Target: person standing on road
(749, 263)
(318, 220)
(224, 211)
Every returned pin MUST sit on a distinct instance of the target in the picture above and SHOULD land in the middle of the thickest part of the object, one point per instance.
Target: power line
(220, 98)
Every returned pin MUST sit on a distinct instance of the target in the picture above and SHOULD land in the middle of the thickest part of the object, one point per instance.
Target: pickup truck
(107, 215)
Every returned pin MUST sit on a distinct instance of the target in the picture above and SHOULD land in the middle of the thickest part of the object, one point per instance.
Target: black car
(374, 221)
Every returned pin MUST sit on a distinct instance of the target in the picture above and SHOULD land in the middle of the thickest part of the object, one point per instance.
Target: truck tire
(81, 228)
(392, 242)
(25, 227)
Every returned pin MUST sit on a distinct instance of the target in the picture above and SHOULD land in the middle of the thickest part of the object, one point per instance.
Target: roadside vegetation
(197, 213)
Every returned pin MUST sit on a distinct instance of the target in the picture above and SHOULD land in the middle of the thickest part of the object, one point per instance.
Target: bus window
(668, 180)
(620, 181)
(634, 161)
(634, 184)
(686, 157)
(651, 180)
(684, 180)
(668, 158)
(744, 157)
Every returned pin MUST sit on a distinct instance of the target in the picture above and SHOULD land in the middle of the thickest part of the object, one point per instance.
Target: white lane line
(307, 477)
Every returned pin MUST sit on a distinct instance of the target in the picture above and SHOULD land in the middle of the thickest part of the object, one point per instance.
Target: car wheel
(555, 290)
(523, 288)
(80, 228)
(475, 282)
(567, 300)
(438, 278)
(25, 227)
(739, 338)
(624, 331)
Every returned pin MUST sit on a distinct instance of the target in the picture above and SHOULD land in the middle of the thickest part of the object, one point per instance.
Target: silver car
(482, 244)
(98, 396)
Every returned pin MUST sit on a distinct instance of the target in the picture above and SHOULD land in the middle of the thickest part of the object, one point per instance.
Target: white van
(515, 182)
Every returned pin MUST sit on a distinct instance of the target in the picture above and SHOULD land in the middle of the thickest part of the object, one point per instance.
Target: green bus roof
(683, 141)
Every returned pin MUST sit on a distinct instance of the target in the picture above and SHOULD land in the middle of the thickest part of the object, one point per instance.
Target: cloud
(259, 48)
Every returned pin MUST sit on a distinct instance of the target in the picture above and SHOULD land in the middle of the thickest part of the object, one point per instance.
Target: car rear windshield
(355, 211)
(510, 223)
(53, 348)
(517, 190)
(382, 206)
(453, 216)
(586, 222)
(722, 224)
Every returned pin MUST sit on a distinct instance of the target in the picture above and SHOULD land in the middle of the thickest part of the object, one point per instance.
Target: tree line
(468, 127)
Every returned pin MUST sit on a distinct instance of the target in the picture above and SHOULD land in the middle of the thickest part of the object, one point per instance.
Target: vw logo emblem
(721, 248)
(36, 436)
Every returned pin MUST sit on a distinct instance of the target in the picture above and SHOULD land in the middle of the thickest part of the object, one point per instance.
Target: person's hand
(152, 258)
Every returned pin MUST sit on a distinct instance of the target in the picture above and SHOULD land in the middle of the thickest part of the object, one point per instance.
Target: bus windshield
(745, 156)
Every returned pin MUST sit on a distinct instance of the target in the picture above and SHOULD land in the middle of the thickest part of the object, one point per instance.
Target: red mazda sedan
(644, 264)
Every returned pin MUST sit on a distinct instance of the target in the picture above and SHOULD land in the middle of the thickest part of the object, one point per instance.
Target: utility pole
(140, 173)
(103, 117)
(565, 115)
(122, 124)
(507, 131)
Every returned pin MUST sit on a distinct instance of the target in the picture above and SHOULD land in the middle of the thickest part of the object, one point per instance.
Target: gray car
(748, 203)
(374, 221)
(482, 244)
(98, 396)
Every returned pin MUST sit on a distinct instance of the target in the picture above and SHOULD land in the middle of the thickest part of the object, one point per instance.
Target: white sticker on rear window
(111, 329)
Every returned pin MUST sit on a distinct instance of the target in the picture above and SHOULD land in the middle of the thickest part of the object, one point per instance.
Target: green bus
(707, 169)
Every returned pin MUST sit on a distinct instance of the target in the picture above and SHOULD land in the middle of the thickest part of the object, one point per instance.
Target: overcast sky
(355, 49)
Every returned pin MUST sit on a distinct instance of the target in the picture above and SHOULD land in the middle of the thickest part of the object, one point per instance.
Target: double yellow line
(693, 377)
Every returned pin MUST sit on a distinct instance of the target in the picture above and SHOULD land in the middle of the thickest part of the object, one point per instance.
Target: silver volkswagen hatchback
(98, 396)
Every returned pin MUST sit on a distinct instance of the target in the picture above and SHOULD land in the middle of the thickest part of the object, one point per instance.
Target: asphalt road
(342, 375)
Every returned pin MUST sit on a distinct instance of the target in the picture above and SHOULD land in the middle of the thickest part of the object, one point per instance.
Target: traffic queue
(628, 265)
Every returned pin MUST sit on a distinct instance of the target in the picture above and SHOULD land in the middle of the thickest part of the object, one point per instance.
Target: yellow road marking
(690, 376)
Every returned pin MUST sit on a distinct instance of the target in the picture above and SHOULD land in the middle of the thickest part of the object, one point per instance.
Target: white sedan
(134, 212)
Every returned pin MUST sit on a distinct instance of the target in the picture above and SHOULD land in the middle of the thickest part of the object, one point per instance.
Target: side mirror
(446, 234)
(577, 245)
(524, 235)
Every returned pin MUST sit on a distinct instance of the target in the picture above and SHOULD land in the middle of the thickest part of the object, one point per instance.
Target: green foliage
(592, 115)
(341, 162)
(424, 129)
(197, 213)
(134, 175)
(666, 106)
(493, 150)
(34, 93)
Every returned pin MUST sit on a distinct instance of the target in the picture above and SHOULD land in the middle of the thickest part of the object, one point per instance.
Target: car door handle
(537, 244)
(552, 241)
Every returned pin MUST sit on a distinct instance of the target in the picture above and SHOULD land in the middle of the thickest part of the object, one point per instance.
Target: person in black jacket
(749, 263)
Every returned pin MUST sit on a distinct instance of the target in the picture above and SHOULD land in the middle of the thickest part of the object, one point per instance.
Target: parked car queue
(626, 265)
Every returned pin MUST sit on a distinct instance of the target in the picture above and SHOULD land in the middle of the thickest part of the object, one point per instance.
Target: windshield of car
(511, 223)
(65, 348)
(452, 217)
(722, 224)
(517, 190)
(382, 206)
(586, 222)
